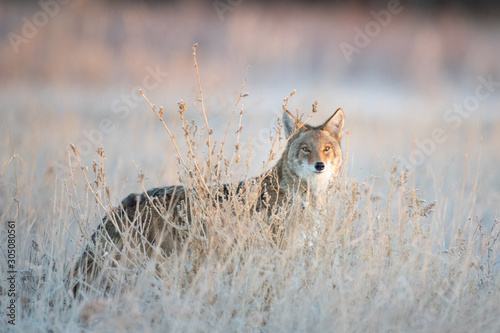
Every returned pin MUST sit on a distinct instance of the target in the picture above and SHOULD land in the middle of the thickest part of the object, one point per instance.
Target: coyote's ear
(289, 124)
(335, 124)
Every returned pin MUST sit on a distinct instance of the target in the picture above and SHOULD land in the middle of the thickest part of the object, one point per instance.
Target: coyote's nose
(319, 166)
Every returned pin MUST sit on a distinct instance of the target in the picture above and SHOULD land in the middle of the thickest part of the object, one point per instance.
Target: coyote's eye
(305, 149)
(327, 148)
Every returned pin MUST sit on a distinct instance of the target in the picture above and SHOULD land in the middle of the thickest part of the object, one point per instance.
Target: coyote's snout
(160, 217)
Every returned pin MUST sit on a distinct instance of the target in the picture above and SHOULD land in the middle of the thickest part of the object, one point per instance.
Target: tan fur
(159, 217)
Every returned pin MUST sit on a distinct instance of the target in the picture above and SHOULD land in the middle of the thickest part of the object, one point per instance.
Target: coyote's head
(313, 154)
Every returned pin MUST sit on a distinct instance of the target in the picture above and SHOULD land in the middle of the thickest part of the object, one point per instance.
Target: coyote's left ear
(335, 124)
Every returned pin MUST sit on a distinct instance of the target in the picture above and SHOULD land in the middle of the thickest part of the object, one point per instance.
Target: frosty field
(408, 239)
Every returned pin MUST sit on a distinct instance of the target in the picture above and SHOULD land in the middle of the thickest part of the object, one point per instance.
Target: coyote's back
(160, 217)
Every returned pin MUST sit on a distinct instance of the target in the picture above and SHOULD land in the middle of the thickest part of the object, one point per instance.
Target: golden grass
(367, 261)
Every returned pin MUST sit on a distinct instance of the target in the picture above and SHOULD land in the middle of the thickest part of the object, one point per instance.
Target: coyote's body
(309, 163)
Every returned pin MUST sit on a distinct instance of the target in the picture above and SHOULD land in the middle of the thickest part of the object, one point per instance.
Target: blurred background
(418, 81)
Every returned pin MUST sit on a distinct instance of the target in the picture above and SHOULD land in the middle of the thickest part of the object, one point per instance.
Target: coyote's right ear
(289, 124)
(335, 124)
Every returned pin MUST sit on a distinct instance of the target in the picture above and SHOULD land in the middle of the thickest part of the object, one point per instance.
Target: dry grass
(390, 250)
(363, 262)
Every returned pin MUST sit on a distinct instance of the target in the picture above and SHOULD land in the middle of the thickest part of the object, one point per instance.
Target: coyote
(311, 160)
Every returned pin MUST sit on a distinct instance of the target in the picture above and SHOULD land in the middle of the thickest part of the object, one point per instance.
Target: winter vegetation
(407, 238)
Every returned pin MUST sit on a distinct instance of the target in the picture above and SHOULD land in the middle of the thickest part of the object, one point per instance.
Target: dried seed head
(394, 167)
(315, 106)
(182, 106)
